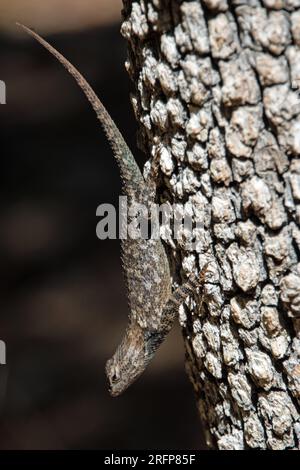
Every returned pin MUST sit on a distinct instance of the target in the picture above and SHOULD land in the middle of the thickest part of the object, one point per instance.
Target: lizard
(152, 305)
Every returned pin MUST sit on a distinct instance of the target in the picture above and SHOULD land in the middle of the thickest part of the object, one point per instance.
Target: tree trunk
(216, 94)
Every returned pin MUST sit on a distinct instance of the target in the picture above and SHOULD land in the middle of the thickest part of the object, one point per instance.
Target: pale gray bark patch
(216, 92)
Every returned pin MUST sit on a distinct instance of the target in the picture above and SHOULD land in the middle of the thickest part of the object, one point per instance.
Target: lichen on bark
(216, 93)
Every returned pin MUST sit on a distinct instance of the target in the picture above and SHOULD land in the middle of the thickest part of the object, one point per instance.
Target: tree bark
(216, 94)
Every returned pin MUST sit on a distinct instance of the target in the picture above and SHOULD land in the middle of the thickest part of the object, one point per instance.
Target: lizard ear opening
(115, 377)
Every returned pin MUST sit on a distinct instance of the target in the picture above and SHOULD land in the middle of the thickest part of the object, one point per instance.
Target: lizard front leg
(140, 344)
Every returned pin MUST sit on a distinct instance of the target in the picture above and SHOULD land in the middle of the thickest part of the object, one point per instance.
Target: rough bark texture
(216, 93)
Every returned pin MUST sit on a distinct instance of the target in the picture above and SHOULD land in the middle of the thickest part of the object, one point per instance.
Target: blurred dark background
(62, 298)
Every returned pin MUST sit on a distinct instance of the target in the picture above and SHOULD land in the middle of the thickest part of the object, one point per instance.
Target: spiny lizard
(153, 306)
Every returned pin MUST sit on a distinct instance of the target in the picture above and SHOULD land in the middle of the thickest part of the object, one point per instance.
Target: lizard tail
(130, 171)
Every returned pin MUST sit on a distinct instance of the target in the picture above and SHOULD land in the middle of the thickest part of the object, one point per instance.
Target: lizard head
(128, 362)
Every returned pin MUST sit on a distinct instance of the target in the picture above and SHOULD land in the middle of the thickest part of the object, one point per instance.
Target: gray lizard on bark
(152, 305)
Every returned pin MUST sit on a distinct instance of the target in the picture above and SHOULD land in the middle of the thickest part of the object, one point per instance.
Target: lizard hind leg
(153, 172)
